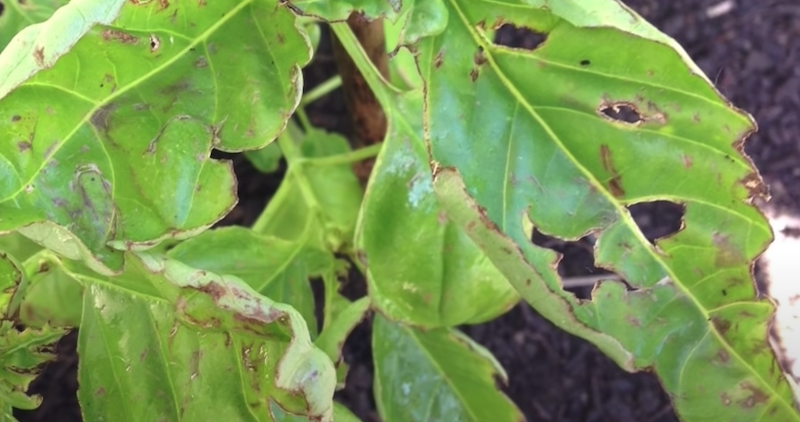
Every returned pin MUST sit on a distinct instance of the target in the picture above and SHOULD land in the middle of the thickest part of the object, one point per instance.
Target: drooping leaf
(161, 338)
(421, 267)
(107, 145)
(540, 137)
(435, 375)
(18, 14)
(276, 268)
(52, 297)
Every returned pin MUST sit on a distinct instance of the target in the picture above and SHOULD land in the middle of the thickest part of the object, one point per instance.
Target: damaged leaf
(421, 268)
(18, 14)
(436, 375)
(605, 113)
(205, 335)
(109, 124)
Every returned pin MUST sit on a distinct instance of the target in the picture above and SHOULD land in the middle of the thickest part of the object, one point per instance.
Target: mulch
(752, 52)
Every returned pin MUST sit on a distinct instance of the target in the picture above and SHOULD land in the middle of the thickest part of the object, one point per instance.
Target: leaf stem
(321, 90)
(300, 112)
(295, 162)
(346, 158)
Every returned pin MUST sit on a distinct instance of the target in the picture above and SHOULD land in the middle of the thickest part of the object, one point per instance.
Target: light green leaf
(435, 375)
(276, 268)
(108, 146)
(18, 14)
(520, 137)
(22, 247)
(340, 10)
(204, 335)
(331, 339)
(421, 268)
(266, 159)
(22, 355)
(52, 298)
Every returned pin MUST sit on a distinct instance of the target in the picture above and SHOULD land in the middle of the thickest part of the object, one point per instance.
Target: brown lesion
(368, 118)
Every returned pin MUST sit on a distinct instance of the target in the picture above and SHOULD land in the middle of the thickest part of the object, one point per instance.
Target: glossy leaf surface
(435, 375)
(108, 143)
(540, 138)
(421, 267)
(161, 338)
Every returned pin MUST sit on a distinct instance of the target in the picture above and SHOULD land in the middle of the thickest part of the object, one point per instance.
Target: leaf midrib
(624, 216)
(154, 71)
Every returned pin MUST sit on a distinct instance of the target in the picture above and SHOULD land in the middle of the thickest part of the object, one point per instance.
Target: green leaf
(22, 355)
(435, 375)
(340, 10)
(108, 143)
(160, 338)
(22, 247)
(523, 137)
(52, 298)
(275, 268)
(331, 340)
(421, 268)
(266, 159)
(18, 14)
(340, 414)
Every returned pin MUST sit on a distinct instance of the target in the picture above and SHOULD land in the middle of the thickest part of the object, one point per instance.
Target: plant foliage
(110, 110)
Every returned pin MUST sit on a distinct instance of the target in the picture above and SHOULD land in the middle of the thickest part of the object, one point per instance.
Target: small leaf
(117, 156)
(331, 340)
(266, 159)
(435, 375)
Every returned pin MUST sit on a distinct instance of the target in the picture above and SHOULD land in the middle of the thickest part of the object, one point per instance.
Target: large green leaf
(521, 138)
(107, 146)
(421, 267)
(18, 14)
(160, 339)
(439, 375)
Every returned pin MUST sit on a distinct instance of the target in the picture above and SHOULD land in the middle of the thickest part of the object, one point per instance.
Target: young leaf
(276, 268)
(604, 114)
(204, 335)
(331, 339)
(421, 267)
(108, 143)
(435, 375)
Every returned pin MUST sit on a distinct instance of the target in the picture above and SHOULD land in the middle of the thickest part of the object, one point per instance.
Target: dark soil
(753, 55)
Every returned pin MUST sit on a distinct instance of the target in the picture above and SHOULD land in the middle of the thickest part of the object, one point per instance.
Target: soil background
(752, 53)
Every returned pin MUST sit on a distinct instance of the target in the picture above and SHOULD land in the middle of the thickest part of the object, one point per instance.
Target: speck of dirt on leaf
(473, 74)
(585, 62)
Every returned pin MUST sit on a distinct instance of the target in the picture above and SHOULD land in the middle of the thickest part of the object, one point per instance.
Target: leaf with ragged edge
(276, 268)
(108, 147)
(204, 335)
(421, 268)
(529, 137)
(17, 14)
(436, 375)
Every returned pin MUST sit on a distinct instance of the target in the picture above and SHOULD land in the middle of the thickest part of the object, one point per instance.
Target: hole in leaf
(509, 35)
(576, 268)
(621, 112)
(657, 219)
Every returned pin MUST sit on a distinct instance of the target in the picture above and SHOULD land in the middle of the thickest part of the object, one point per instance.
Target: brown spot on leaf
(755, 186)
(201, 62)
(437, 61)
(123, 37)
(725, 399)
(155, 43)
(100, 392)
(756, 397)
(620, 112)
(163, 4)
(722, 356)
(15, 118)
(23, 146)
(722, 325)
(614, 184)
(213, 289)
(473, 74)
(100, 118)
(687, 161)
(728, 254)
(479, 58)
(38, 55)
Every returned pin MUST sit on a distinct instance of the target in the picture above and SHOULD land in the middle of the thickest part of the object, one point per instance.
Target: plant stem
(303, 118)
(295, 162)
(346, 158)
(321, 90)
